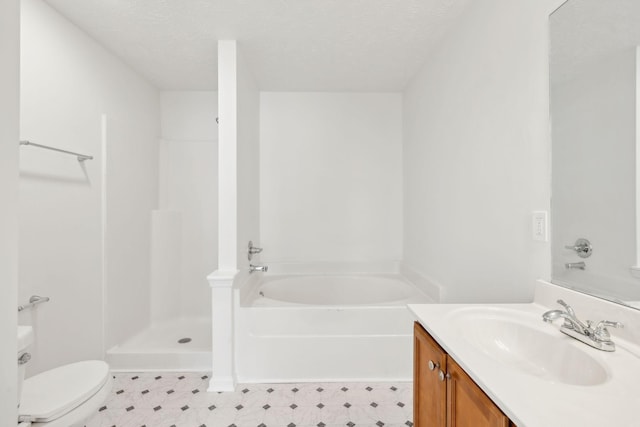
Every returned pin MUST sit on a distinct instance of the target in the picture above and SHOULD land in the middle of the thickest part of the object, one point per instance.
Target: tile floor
(181, 400)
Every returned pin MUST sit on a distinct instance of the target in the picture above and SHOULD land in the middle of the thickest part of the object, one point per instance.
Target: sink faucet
(569, 317)
(552, 315)
(597, 337)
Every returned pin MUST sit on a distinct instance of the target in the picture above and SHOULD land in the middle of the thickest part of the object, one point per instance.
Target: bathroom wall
(9, 135)
(248, 162)
(594, 151)
(84, 227)
(188, 205)
(477, 154)
(331, 177)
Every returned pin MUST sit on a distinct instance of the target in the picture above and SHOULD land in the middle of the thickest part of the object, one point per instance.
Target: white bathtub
(325, 328)
(334, 290)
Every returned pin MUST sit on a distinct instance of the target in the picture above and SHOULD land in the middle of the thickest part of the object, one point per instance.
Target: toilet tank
(25, 339)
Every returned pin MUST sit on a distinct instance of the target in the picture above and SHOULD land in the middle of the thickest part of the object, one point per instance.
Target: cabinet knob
(442, 376)
(433, 365)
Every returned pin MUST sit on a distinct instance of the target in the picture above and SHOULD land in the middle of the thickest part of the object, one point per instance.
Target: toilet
(62, 397)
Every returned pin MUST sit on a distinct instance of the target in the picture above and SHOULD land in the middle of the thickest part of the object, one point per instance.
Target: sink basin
(526, 343)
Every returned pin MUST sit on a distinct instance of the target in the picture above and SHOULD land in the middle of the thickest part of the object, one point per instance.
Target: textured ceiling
(290, 45)
(585, 30)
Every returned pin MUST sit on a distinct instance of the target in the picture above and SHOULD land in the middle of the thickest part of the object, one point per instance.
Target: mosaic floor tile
(181, 400)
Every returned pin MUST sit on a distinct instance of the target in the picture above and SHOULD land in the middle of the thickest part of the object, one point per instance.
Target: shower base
(176, 345)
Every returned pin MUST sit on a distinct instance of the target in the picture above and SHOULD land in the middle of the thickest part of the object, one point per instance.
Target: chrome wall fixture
(24, 359)
(576, 265)
(252, 250)
(254, 268)
(33, 301)
(582, 247)
(81, 157)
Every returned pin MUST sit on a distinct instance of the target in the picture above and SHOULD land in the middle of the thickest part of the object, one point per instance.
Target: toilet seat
(51, 395)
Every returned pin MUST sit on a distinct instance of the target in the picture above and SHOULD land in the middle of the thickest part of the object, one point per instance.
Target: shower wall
(185, 234)
(248, 152)
(331, 177)
(84, 227)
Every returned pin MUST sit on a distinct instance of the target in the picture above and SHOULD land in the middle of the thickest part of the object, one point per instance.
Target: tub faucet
(576, 265)
(262, 268)
(597, 337)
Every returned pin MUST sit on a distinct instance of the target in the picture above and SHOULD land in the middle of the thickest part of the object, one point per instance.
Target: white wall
(248, 172)
(133, 118)
(84, 227)
(9, 135)
(476, 154)
(594, 146)
(189, 195)
(331, 177)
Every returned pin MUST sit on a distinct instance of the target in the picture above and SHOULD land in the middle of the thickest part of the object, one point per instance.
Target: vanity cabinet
(444, 395)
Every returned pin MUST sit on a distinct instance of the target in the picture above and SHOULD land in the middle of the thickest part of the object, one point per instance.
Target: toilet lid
(51, 394)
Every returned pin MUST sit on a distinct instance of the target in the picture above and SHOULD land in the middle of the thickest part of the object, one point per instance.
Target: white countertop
(533, 401)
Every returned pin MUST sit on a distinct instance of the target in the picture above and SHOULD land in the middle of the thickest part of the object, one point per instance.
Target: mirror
(594, 94)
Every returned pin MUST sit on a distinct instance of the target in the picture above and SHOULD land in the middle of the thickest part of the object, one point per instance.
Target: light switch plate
(540, 226)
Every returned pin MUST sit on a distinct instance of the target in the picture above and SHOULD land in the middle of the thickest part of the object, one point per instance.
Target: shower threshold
(182, 344)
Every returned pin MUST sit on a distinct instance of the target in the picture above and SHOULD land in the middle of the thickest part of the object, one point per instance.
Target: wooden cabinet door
(430, 393)
(467, 404)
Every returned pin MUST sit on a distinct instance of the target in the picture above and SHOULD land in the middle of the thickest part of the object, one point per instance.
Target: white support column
(227, 156)
(223, 375)
(221, 281)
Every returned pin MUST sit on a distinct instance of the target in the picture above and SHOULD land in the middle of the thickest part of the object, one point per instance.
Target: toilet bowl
(62, 397)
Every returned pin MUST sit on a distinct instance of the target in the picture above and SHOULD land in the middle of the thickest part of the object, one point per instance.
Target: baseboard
(221, 384)
(276, 380)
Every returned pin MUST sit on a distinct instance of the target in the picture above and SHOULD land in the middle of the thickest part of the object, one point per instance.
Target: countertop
(531, 400)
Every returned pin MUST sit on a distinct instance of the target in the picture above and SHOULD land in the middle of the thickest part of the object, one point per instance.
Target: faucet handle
(605, 323)
(582, 247)
(575, 322)
(566, 307)
(601, 333)
(252, 250)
